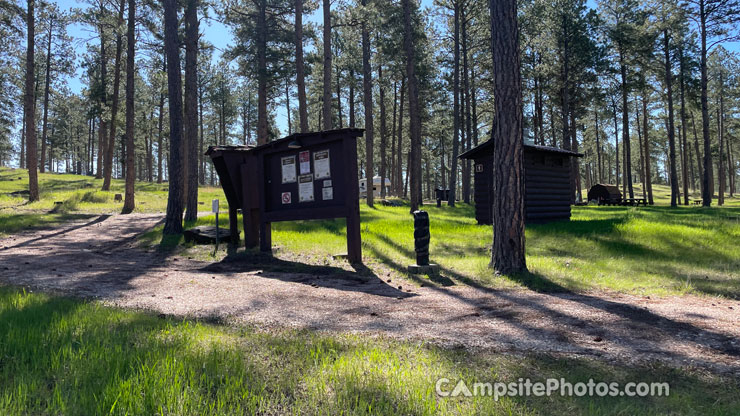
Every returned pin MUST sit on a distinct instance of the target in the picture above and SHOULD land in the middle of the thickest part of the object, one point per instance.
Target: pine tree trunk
(351, 98)
(383, 134)
(327, 66)
(507, 255)
(393, 139)
(626, 143)
(642, 153)
(399, 162)
(191, 108)
(468, 118)
(173, 220)
(706, 192)
(262, 136)
(110, 148)
(455, 107)
(300, 69)
(684, 153)
(160, 148)
(47, 81)
(367, 85)
(648, 162)
(128, 202)
(414, 114)
(29, 108)
(671, 128)
(598, 146)
(699, 161)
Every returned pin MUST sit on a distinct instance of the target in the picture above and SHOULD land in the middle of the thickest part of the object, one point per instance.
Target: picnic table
(696, 202)
(624, 201)
(635, 201)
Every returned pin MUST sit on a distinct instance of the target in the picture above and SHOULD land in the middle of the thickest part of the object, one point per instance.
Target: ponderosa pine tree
(173, 219)
(128, 202)
(507, 254)
(191, 109)
(29, 107)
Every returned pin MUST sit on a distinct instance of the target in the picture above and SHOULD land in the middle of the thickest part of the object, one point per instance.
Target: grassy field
(654, 250)
(71, 357)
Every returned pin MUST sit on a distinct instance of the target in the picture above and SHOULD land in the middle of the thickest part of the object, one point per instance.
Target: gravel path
(99, 258)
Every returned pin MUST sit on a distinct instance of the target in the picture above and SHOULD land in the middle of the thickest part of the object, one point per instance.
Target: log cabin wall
(546, 185)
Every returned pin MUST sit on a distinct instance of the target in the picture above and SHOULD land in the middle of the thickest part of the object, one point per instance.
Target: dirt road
(99, 258)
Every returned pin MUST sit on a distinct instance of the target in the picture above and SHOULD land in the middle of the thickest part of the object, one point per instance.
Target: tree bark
(160, 148)
(367, 85)
(684, 154)
(455, 107)
(646, 138)
(110, 148)
(720, 136)
(699, 161)
(466, 103)
(383, 134)
(29, 107)
(300, 69)
(262, 135)
(399, 162)
(128, 202)
(327, 66)
(706, 192)
(47, 81)
(414, 114)
(671, 128)
(626, 144)
(191, 108)
(507, 254)
(598, 146)
(173, 219)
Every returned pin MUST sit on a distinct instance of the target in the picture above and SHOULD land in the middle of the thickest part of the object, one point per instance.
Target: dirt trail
(98, 258)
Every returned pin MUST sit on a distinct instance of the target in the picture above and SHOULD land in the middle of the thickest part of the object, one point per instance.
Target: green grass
(79, 194)
(64, 356)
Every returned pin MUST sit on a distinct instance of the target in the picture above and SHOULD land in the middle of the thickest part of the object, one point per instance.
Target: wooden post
(250, 213)
(233, 225)
(354, 240)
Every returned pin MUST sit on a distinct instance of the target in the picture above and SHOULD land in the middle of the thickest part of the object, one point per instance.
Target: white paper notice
(305, 159)
(305, 188)
(328, 194)
(321, 164)
(289, 173)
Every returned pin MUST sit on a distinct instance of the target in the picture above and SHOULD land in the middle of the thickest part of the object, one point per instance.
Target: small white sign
(328, 194)
(305, 188)
(321, 164)
(288, 169)
(327, 183)
(214, 206)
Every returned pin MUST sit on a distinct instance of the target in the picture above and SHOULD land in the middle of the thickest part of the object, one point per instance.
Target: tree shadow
(362, 279)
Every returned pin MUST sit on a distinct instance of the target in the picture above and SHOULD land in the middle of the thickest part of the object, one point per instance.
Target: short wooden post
(421, 245)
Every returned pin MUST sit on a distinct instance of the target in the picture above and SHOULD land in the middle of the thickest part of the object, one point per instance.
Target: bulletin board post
(305, 176)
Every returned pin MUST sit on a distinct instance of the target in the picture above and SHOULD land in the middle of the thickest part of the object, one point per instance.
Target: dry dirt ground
(100, 258)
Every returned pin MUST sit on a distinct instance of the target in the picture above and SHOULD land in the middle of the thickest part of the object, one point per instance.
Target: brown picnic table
(625, 201)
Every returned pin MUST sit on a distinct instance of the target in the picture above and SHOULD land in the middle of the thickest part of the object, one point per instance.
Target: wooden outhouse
(546, 182)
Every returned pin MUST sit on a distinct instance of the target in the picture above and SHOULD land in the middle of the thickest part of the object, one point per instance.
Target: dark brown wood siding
(546, 187)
